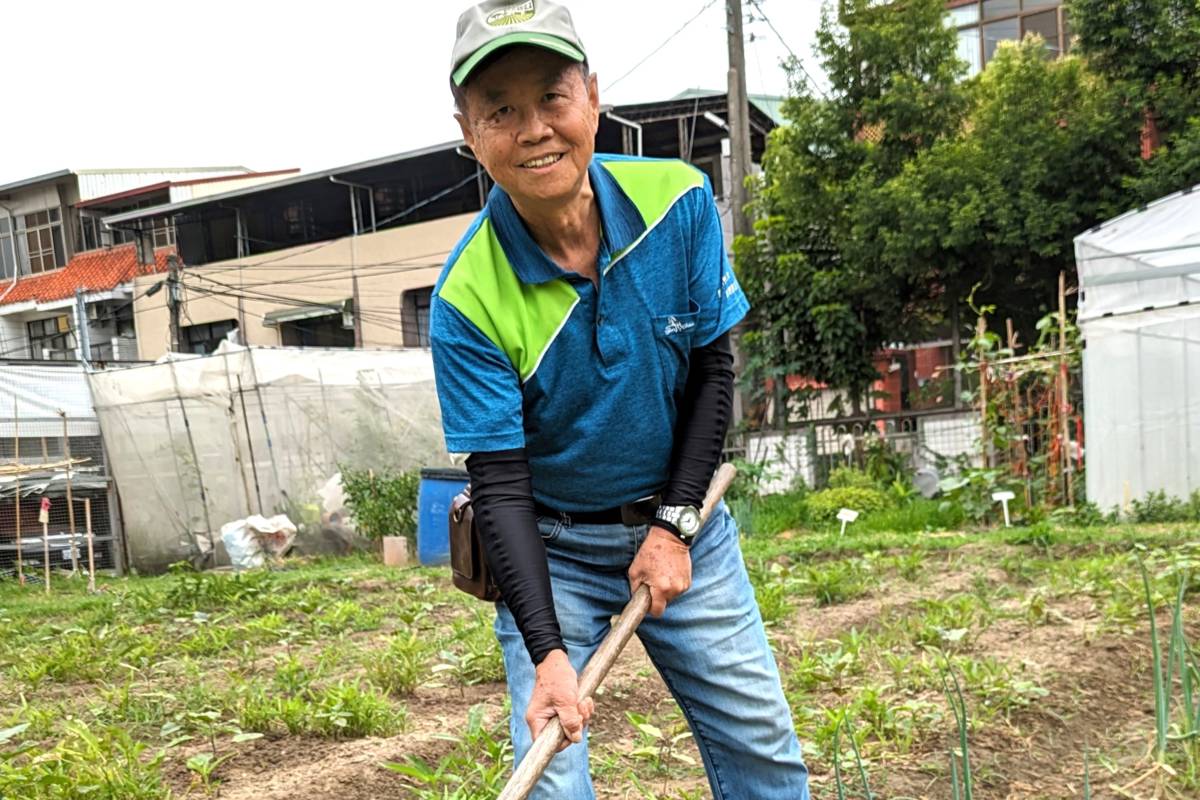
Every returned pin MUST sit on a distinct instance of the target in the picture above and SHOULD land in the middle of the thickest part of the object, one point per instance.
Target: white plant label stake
(846, 515)
(1003, 498)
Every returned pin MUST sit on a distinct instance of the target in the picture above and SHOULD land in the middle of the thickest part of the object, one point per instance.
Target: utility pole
(174, 299)
(739, 119)
(83, 339)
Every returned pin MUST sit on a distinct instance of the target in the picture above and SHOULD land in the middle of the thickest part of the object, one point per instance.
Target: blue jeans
(709, 647)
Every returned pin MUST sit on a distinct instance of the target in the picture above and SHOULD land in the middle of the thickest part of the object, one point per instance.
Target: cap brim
(557, 45)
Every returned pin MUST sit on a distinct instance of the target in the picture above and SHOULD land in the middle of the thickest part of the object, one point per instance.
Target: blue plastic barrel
(434, 497)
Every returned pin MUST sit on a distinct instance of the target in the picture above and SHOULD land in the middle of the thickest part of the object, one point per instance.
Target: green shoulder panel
(655, 186)
(520, 319)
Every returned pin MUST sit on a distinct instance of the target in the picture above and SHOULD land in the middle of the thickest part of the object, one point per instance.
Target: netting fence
(51, 452)
(808, 452)
(196, 443)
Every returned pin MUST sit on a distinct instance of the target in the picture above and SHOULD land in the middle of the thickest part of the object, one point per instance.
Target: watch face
(689, 522)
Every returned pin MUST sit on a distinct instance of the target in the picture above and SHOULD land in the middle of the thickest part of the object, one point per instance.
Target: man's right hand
(556, 694)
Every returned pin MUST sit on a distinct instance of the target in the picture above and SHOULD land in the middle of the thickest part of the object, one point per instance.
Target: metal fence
(937, 441)
(51, 455)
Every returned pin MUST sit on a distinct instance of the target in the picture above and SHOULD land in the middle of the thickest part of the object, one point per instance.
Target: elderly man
(581, 343)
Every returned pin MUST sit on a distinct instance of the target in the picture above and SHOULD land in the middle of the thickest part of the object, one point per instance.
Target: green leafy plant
(972, 488)
(475, 769)
(657, 746)
(822, 507)
(384, 503)
(400, 668)
(850, 478)
(1159, 507)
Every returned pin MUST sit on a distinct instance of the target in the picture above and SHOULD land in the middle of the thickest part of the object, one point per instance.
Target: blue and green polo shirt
(588, 378)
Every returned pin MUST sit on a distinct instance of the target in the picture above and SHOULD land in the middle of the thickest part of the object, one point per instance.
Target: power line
(668, 40)
(795, 58)
(382, 320)
(234, 291)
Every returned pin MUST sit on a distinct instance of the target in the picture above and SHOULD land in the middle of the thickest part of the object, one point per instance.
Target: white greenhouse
(1139, 313)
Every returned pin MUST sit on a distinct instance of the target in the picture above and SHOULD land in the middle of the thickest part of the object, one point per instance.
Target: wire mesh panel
(939, 441)
(51, 450)
(199, 443)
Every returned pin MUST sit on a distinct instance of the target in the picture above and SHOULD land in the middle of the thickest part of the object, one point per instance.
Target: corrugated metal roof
(170, 208)
(97, 182)
(769, 104)
(25, 183)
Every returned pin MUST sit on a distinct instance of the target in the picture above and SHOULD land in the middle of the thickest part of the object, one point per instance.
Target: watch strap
(666, 517)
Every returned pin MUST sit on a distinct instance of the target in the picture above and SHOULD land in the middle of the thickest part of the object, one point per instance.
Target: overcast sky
(269, 84)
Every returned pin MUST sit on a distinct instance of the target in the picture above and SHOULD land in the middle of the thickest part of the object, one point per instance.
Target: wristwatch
(683, 521)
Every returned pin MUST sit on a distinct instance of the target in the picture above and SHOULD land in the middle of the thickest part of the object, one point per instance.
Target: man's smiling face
(531, 118)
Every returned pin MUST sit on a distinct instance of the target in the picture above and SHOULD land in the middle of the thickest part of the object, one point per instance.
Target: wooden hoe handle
(530, 770)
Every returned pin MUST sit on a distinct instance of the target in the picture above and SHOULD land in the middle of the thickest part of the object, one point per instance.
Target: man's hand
(556, 694)
(665, 565)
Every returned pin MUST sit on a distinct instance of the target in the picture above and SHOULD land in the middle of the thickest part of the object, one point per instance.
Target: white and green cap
(485, 28)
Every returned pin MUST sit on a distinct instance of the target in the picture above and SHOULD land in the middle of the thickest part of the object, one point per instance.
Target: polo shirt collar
(621, 221)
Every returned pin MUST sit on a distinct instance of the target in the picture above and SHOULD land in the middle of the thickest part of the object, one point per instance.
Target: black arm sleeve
(502, 497)
(703, 419)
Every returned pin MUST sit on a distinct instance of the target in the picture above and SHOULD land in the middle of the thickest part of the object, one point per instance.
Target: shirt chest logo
(674, 326)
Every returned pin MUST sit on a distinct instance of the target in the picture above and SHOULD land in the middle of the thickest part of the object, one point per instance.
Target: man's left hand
(664, 564)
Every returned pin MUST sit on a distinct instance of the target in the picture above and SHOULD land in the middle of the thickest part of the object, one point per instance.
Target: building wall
(388, 264)
(14, 343)
(36, 199)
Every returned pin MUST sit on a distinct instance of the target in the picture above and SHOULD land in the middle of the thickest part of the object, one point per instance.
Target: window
(204, 339)
(983, 24)
(995, 9)
(994, 33)
(326, 331)
(43, 239)
(163, 232)
(8, 250)
(414, 316)
(1044, 25)
(52, 338)
(969, 49)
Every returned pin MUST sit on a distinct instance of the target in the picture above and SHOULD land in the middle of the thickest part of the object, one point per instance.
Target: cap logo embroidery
(512, 15)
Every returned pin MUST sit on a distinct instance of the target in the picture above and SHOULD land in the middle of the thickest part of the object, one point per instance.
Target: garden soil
(1097, 700)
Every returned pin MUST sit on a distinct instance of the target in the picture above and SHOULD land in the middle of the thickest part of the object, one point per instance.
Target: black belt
(639, 512)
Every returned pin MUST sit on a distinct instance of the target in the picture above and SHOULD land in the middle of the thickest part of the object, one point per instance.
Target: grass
(895, 647)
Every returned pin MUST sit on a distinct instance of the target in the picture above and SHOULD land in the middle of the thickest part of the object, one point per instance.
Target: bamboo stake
(250, 444)
(87, 515)
(17, 449)
(1064, 378)
(237, 443)
(980, 330)
(1019, 421)
(70, 497)
(44, 515)
(530, 770)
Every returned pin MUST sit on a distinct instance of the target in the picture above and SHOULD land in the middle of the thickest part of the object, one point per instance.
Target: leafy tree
(1044, 154)
(895, 92)
(1151, 50)
(1141, 41)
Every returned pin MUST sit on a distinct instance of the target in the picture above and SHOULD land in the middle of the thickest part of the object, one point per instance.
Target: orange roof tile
(93, 271)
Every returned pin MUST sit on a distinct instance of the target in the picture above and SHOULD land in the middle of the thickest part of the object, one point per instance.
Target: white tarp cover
(41, 392)
(1138, 275)
(197, 442)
